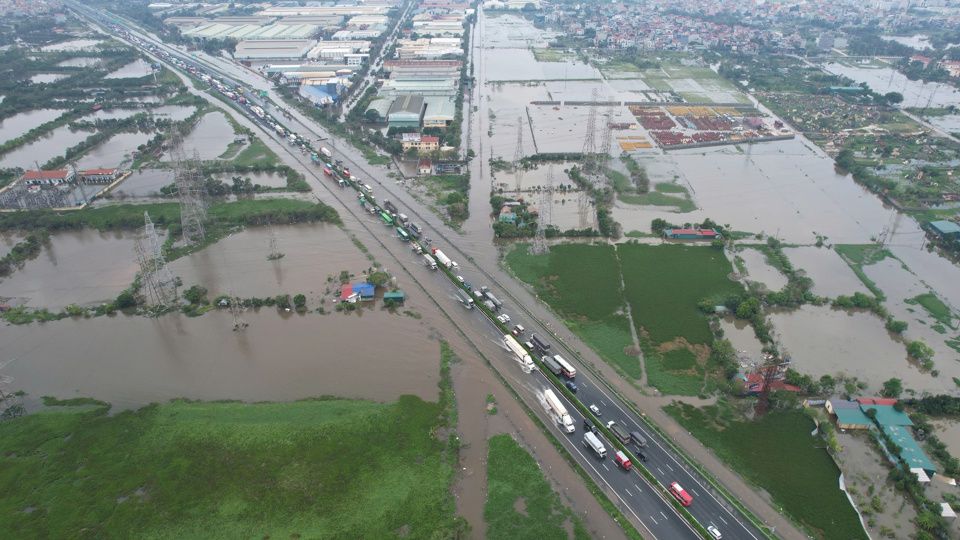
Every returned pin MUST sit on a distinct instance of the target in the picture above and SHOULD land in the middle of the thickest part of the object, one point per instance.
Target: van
(638, 439)
(622, 460)
(367, 188)
(641, 456)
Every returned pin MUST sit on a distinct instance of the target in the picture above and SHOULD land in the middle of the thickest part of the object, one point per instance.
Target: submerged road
(643, 504)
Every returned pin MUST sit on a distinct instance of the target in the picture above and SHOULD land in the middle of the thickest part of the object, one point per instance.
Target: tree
(195, 294)
(718, 243)
(300, 300)
(283, 301)
(125, 300)
(899, 406)
(920, 351)
(897, 327)
(371, 115)
(892, 388)
(378, 279)
(871, 413)
(893, 97)
(827, 383)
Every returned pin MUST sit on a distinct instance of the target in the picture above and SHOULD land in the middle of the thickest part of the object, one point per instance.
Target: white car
(503, 318)
(460, 279)
(595, 410)
(714, 532)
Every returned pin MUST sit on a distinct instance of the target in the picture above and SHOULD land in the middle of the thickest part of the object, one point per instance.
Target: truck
(404, 220)
(493, 299)
(563, 417)
(552, 365)
(525, 361)
(488, 304)
(432, 264)
(292, 138)
(465, 299)
(540, 343)
(444, 260)
(618, 432)
(591, 442)
(416, 227)
(315, 159)
(389, 206)
(326, 152)
(413, 232)
(279, 130)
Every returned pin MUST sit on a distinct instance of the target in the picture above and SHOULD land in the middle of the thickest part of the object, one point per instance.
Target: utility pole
(274, 239)
(237, 309)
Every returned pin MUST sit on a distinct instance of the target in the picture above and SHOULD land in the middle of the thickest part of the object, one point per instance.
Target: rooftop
(911, 452)
(945, 227)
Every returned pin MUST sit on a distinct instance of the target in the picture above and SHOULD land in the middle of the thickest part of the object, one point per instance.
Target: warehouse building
(424, 69)
(273, 49)
(219, 30)
(406, 112)
(49, 178)
(439, 112)
(420, 87)
(946, 229)
(381, 107)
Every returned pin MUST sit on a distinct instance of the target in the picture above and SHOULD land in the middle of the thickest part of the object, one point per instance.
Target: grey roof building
(406, 111)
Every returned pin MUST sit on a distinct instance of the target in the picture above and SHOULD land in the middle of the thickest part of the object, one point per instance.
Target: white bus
(565, 367)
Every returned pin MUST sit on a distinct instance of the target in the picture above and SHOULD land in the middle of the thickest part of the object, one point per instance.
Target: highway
(642, 503)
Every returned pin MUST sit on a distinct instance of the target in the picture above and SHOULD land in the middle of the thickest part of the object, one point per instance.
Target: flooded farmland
(209, 137)
(915, 93)
(20, 124)
(133, 70)
(830, 274)
(72, 45)
(42, 78)
(79, 62)
(110, 154)
(759, 270)
(45, 148)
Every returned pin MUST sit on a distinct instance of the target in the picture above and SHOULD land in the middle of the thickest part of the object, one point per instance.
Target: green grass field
(670, 382)
(256, 153)
(515, 482)
(779, 454)
(578, 280)
(665, 283)
(610, 337)
(934, 306)
(655, 198)
(330, 469)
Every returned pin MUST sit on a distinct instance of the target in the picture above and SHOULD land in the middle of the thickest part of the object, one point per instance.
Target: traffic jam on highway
(629, 442)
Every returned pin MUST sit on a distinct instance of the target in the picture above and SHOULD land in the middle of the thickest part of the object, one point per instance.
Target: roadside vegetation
(778, 454)
(521, 503)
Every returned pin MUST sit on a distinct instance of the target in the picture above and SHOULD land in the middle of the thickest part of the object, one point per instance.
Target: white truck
(526, 363)
(432, 264)
(593, 443)
(404, 220)
(444, 260)
(561, 411)
(292, 138)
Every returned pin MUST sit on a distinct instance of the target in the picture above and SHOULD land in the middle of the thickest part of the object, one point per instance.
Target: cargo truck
(443, 259)
(413, 232)
(522, 356)
(621, 434)
(326, 152)
(540, 343)
(389, 206)
(591, 442)
(563, 417)
(496, 302)
(432, 264)
(404, 220)
(416, 227)
(552, 365)
(465, 299)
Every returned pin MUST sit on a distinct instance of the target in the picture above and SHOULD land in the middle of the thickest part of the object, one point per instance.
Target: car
(714, 532)
(595, 410)
(571, 386)
(503, 319)
(641, 456)
(517, 330)
(467, 285)
(460, 279)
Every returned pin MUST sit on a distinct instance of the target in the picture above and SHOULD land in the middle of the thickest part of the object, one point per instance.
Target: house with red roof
(691, 234)
(50, 178)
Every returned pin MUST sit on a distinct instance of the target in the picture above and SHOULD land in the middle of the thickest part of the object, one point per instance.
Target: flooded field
(830, 274)
(209, 137)
(949, 123)
(42, 150)
(110, 154)
(915, 93)
(133, 70)
(41, 78)
(760, 271)
(131, 361)
(173, 112)
(80, 62)
(948, 431)
(144, 183)
(72, 270)
(266, 179)
(20, 124)
(72, 45)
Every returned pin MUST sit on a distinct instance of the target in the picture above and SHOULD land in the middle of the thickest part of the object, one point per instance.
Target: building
(422, 144)
(99, 176)
(423, 69)
(848, 413)
(439, 112)
(946, 229)
(273, 49)
(406, 112)
(753, 383)
(356, 292)
(691, 234)
(508, 217)
(419, 87)
(397, 297)
(48, 178)
(910, 452)
(218, 30)
(381, 107)
(424, 167)
(322, 95)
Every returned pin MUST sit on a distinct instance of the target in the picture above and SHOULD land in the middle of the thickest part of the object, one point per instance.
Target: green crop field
(311, 469)
(520, 502)
(578, 280)
(610, 337)
(665, 283)
(681, 383)
(779, 454)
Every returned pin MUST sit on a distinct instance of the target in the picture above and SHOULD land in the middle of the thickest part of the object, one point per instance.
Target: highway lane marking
(653, 520)
(664, 515)
(605, 466)
(641, 491)
(668, 466)
(628, 492)
(602, 403)
(661, 471)
(723, 520)
(694, 492)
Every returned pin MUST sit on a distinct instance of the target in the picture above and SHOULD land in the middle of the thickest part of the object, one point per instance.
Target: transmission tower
(589, 142)
(771, 371)
(606, 135)
(11, 406)
(274, 238)
(154, 273)
(188, 177)
(545, 217)
(237, 309)
(518, 153)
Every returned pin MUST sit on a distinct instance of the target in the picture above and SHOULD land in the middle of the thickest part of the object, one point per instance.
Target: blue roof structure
(888, 416)
(365, 290)
(945, 227)
(852, 417)
(911, 453)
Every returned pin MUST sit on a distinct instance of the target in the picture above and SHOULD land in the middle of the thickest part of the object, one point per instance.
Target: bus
(386, 218)
(565, 367)
(403, 234)
(328, 172)
(681, 495)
